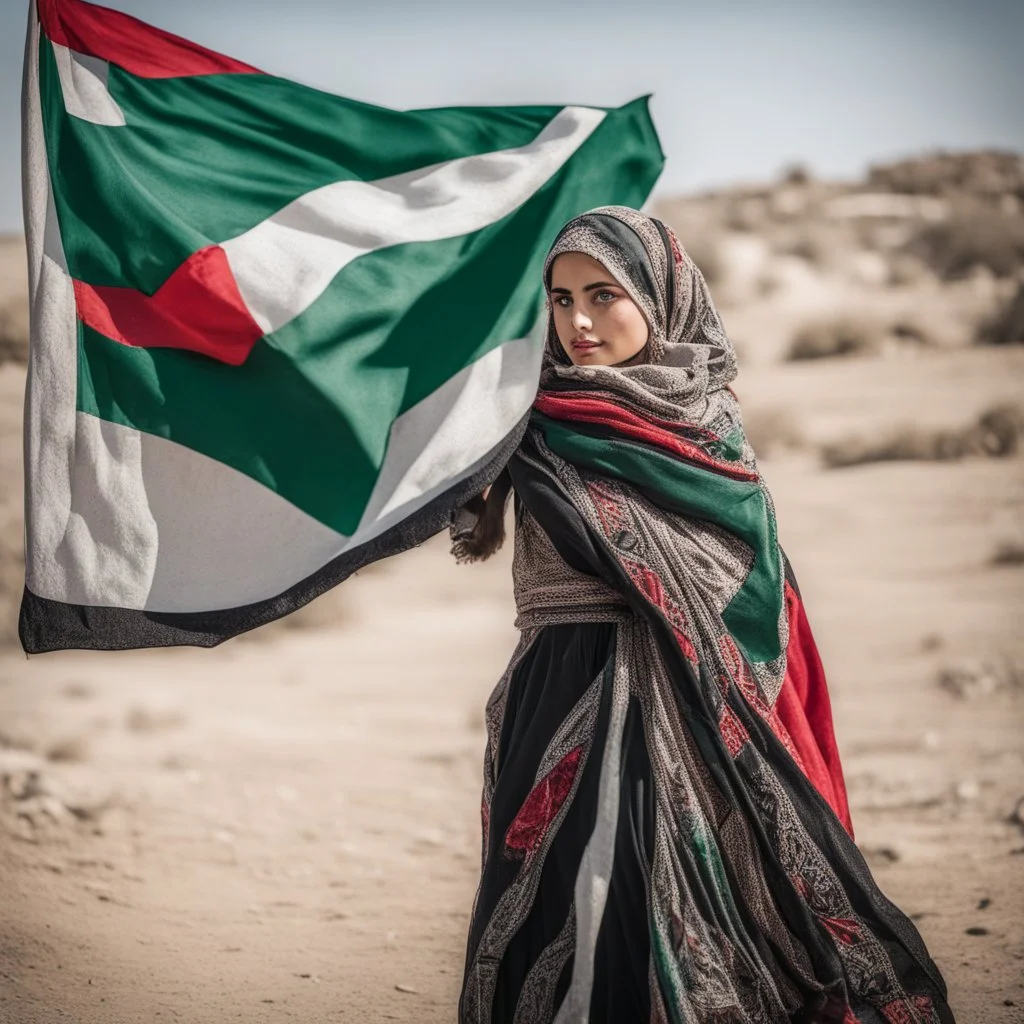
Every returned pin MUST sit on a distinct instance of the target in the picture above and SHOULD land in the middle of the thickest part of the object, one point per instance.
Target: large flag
(276, 334)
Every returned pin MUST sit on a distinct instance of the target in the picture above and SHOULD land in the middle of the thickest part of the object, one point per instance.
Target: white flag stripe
(445, 436)
(283, 264)
(50, 388)
(231, 541)
(133, 541)
(235, 541)
(83, 81)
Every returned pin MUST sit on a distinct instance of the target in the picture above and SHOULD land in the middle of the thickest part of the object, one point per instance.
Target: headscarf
(682, 373)
(645, 257)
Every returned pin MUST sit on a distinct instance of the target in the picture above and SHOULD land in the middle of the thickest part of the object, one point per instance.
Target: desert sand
(286, 828)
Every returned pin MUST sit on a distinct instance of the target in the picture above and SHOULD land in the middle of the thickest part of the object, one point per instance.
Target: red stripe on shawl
(804, 709)
(675, 427)
(131, 44)
(198, 308)
(629, 424)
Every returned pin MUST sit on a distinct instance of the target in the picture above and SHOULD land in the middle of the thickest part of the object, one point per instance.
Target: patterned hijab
(688, 353)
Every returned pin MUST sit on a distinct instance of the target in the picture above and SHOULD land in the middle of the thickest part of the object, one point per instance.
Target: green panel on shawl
(752, 616)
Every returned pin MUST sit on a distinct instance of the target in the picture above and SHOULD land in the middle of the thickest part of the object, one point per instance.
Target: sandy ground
(286, 828)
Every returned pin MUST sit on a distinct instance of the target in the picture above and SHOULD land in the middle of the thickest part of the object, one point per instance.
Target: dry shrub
(982, 677)
(14, 333)
(996, 433)
(797, 174)
(1007, 326)
(770, 429)
(141, 719)
(69, 750)
(911, 332)
(1008, 552)
(973, 236)
(826, 339)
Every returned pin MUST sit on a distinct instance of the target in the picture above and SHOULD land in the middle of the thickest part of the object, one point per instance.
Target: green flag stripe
(205, 158)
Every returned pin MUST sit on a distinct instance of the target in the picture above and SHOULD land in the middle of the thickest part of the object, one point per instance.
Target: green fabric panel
(752, 616)
(206, 157)
(309, 412)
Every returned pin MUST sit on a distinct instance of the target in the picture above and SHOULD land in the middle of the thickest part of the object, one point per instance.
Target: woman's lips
(584, 344)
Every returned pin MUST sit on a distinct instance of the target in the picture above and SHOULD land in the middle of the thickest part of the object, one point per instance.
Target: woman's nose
(580, 320)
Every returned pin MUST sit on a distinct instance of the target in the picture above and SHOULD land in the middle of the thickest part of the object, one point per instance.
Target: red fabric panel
(527, 831)
(129, 43)
(804, 709)
(198, 308)
(629, 424)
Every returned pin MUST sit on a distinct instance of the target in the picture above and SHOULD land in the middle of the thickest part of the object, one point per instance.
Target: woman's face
(597, 323)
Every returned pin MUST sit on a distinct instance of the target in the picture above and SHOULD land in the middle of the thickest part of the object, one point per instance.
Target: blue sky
(740, 89)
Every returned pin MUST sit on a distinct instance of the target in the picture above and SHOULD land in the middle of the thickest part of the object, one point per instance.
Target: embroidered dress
(665, 830)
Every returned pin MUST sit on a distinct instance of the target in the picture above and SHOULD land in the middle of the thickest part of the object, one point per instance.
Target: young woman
(665, 828)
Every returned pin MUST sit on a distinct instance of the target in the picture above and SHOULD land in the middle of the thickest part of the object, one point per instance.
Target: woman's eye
(606, 296)
(563, 301)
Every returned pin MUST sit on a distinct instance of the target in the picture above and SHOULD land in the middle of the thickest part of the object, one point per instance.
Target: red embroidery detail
(140, 49)
(613, 520)
(608, 510)
(733, 731)
(843, 929)
(740, 673)
(527, 831)
(677, 251)
(587, 409)
(909, 1010)
(198, 308)
(779, 728)
(731, 655)
(689, 651)
(649, 584)
(746, 683)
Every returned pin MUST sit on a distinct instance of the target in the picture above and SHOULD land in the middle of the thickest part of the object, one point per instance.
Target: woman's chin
(589, 356)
